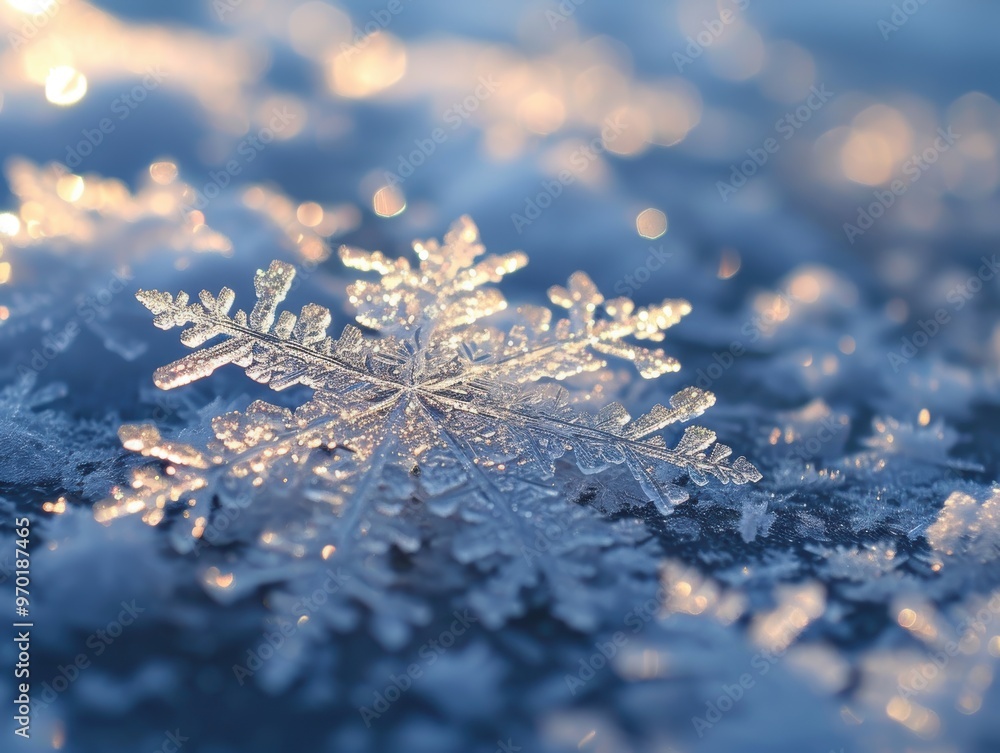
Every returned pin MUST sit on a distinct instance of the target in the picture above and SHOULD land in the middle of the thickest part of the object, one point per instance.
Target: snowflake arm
(278, 350)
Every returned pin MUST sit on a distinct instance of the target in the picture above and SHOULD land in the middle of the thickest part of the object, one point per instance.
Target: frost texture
(44, 448)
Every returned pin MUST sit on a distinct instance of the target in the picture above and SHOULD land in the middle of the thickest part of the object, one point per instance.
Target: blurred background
(818, 179)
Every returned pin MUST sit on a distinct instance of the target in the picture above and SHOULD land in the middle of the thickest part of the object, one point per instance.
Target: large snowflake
(455, 404)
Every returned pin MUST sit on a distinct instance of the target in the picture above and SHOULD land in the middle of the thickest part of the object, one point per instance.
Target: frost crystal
(465, 405)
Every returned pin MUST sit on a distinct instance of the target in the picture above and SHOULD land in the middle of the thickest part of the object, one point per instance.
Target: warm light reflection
(78, 210)
(689, 592)
(362, 71)
(67, 38)
(56, 508)
(163, 173)
(58, 735)
(10, 224)
(307, 226)
(542, 112)
(32, 6)
(214, 577)
(65, 86)
(70, 187)
(309, 214)
(388, 201)
(729, 264)
(578, 85)
(881, 138)
(797, 607)
(805, 287)
(651, 223)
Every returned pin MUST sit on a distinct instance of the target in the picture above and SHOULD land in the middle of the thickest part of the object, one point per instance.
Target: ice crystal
(442, 408)
(467, 405)
(967, 527)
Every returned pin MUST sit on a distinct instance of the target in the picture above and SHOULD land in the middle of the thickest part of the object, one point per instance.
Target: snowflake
(453, 398)
(443, 408)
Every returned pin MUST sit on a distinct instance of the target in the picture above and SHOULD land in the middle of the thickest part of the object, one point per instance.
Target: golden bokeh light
(729, 264)
(388, 201)
(70, 187)
(309, 214)
(33, 6)
(364, 70)
(542, 112)
(10, 224)
(880, 139)
(65, 86)
(163, 173)
(651, 223)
